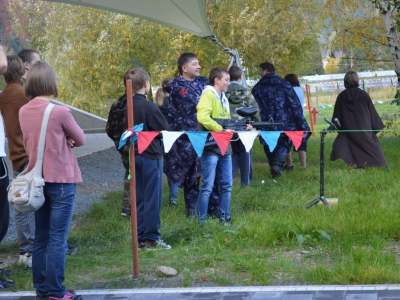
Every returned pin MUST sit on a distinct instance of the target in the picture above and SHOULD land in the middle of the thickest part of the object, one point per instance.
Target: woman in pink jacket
(60, 173)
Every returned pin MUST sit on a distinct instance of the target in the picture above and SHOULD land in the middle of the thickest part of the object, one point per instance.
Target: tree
(91, 49)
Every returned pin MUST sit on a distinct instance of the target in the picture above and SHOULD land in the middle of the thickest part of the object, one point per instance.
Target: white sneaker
(23, 258)
(28, 263)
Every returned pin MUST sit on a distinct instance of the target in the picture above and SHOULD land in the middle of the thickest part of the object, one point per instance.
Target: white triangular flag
(169, 138)
(247, 138)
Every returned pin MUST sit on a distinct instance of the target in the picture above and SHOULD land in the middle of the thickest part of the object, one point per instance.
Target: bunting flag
(128, 133)
(247, 138)
(169, 138)
(222, 139)
(198, 139)
(271, 138)
(145, 139)
(296, 137)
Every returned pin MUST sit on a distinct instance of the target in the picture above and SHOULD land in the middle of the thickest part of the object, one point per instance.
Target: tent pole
(135, 254)
(235, 57)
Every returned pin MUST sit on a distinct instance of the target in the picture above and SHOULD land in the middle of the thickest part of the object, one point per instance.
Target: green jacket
(211, 106)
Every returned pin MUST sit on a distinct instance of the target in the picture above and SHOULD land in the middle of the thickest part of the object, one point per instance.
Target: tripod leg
(314, 202)
(323, 199)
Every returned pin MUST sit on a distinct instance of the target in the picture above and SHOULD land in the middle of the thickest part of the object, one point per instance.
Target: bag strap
(42, 140)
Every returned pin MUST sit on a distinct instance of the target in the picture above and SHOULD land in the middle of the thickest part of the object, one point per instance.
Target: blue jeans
(173, 189)
(211, 166)
(242, 160)
(148, 197)
(52, 223)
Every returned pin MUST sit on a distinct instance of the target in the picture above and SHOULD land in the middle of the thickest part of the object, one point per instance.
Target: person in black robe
(354, 110)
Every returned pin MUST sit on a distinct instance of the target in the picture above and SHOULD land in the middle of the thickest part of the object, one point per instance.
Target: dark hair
(235, 72)
(15, 69)
(216, 73)
(138, 76)
(351, 79)
(41, 81)
(26, 55)
(267, 66)
(184, 59)
(293, 79)
(160, 93)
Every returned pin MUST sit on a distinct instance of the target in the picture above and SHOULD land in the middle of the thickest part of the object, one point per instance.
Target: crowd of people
(188, 102)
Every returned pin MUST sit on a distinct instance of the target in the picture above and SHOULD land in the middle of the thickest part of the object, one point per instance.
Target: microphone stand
(321, 197)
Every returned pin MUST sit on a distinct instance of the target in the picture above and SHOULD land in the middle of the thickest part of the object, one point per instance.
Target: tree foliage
(91, 49)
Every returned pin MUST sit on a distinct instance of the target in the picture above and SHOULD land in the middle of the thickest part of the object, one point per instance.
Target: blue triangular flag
(198, 139)
(271, 138)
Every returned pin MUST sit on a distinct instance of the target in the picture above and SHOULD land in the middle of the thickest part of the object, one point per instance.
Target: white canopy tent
(186, 15)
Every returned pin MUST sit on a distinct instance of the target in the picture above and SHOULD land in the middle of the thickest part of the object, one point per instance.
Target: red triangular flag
(296, 137)
(222, 139)
(145, 138)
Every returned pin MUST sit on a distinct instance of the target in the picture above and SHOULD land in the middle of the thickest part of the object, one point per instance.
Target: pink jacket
(59, 162)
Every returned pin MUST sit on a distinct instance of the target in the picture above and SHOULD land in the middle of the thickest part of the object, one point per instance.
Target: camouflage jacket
(116, 123)
(181, 162)
(278, 101)
(238, 96)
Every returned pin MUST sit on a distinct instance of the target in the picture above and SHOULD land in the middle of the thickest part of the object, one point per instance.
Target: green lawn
(272, 240)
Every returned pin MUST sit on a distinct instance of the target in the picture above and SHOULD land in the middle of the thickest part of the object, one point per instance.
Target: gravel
(102, 172)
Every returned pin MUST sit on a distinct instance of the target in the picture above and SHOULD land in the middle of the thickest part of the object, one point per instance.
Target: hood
(222, 98)
(351, 97)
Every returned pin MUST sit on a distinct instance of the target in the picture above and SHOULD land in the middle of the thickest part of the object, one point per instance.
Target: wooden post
(309, 109)
(135, 253)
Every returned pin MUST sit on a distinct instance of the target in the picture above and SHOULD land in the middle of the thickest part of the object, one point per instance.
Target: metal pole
(135, 253)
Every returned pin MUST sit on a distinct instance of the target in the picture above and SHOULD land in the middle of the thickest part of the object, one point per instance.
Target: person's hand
(249, 127)
(70, 142)
(229, 130)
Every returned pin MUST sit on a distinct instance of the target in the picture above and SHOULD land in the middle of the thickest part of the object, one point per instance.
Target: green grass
(273, 239)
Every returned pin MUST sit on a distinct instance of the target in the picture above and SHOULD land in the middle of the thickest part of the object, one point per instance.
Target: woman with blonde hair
(60, 173)
(162, 101)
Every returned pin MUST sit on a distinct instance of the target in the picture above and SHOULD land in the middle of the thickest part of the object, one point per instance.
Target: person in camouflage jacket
(116, 126)
(278, 101)
(239, 96)
(181, 163)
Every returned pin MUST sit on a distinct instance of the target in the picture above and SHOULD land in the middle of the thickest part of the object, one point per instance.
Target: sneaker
(225, 221)
(125, 212)
(6, 283)
(172, 202)
(23, 258)
(28, 263)
(69, 295)
(288, 168)
(141, 245)
(71, 249)
(155, 245)
(303, 167)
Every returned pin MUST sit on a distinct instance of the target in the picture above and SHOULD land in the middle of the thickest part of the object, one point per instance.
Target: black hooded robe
(355, 111)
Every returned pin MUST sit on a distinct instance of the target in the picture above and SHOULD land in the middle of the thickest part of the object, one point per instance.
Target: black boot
(277, 165)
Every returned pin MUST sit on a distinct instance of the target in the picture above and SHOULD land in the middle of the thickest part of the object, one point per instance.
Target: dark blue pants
(148, 197)
(4, 208)
(242, 160)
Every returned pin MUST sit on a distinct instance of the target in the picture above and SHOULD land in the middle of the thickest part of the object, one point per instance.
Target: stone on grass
(166, 271)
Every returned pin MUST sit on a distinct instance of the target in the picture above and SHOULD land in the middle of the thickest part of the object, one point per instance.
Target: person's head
(29, 57)
(161, 93)
(188, 66)
(235, 73)
(293, 79)
(265, 68)
(140, 79)
(15, 69)
(351, 79)
(219, 79)
(41, 81)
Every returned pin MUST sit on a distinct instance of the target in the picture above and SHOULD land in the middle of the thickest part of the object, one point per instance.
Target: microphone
(336, 120)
